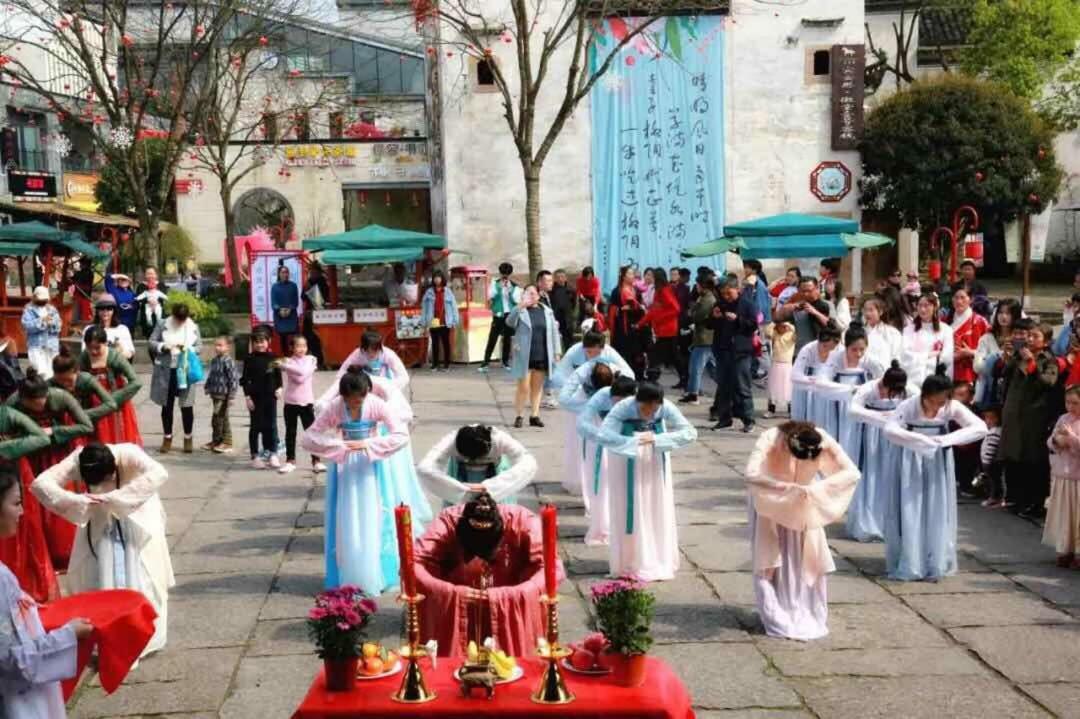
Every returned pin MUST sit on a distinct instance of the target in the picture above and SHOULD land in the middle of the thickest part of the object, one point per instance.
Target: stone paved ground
(1001, 639)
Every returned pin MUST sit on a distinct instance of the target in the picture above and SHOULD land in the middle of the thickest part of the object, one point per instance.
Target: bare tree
(540, 30)
(119, 69)
(250, 92)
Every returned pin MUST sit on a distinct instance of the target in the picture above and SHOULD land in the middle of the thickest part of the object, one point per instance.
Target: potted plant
(624, 613)
(336, 624)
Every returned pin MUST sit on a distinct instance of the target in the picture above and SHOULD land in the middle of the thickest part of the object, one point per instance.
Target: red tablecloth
(123, 622)
(663, 696)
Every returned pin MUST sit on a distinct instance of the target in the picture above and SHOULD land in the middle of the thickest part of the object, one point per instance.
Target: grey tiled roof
(943, 27)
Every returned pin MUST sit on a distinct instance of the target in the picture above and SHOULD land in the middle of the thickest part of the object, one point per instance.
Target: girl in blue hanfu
(847, 369)
(401, 466)
(639, 433)
(920, 517)
(575, 392)
(476, 459)
(812, 362)
(592, 348)
(32, 661)
(871, 408)
(360, 541)
(589, 421)
(799, 481)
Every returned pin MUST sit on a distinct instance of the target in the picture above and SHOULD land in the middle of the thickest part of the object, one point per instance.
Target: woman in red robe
(480, 567)
(115, 374)
(61, 417)
(968, 328)
(26, 553)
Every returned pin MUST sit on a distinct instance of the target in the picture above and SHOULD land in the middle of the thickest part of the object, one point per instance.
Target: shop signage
(264, 267)
(320, 155)
(848, 63)
(409, 325)
(374, 316)
(399, 172)
(79, 188)
(31, 186)
(330, 317)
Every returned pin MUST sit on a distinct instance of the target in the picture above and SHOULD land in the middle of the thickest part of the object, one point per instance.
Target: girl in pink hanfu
(375, 360)
(360, 542)
(789, 508)
(1062, 529)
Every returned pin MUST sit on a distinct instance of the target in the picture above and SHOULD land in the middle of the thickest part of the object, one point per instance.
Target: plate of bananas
(504, 667)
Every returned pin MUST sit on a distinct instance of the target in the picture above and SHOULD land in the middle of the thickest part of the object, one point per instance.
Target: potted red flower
(624, 613)
(336, 624)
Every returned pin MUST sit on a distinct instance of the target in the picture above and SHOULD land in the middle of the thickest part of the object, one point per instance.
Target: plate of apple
(377, 662)
(586, 656)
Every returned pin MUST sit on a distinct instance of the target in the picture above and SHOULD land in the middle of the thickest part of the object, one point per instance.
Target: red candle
(403, 518)
(551, 542)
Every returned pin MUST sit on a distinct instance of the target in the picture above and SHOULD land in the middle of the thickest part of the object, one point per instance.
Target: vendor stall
(366, 294)
(51, 249)
(469, 283)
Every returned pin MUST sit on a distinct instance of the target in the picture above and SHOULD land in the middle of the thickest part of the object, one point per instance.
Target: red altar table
(663, 696)
(123, 622)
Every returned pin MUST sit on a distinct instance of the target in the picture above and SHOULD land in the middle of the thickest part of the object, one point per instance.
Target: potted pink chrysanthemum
(336, 624)
(624, 613)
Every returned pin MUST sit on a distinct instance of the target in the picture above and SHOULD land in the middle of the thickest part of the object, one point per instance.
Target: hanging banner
(1012, 242)
(1040, 230)
(848, 64)
(657, 142)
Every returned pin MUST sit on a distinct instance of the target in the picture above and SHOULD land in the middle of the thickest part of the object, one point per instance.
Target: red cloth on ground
(123, 622)
(663, 696)
(27, 553)
(120, 426)
(663, 315)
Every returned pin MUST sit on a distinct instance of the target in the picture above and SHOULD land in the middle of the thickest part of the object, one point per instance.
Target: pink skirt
(1062, 530)
(779, 386)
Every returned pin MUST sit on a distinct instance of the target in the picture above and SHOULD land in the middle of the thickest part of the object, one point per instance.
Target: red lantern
(263, 41)
(1033, 198)
(979, 177)
(933, 269)
(973, 248)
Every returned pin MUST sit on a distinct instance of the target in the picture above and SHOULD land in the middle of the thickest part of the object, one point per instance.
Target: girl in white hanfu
(580, 468)
(640, 432)
(920, 517)
(476, 459)
(360, 545)
(884, 342)
(871, 408)
(121, 539)
(597, 487)
(848, 368)
(32, 661)
(928, 342)
(812, 362)
(799, 481)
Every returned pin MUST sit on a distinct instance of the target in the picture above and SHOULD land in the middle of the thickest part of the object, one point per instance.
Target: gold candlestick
(413, 690)
(552, 688)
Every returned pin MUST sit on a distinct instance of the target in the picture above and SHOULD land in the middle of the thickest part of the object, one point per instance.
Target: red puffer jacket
(663, 316)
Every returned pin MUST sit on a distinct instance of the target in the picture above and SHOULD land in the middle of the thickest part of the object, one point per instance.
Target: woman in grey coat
(536, 350)
(171, 339)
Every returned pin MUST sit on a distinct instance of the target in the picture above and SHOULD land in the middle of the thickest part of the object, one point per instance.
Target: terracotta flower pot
(627, 670)
(340, 674)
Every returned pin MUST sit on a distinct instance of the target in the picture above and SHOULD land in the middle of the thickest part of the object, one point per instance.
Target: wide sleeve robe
(522, 469)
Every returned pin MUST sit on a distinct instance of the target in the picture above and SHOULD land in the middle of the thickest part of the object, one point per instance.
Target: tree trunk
(148, 231)
(532, 221)
(232, 258)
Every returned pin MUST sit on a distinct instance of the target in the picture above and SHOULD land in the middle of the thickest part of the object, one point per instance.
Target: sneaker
(209, 446)
(258, 463)
(222, 448)
(689, 399)
(535, 422)
(748, 427)
(275, 461)
(482, 368)
(318, 467)
(723, 425)
(287, 468)
(768, 414)
(508, 368)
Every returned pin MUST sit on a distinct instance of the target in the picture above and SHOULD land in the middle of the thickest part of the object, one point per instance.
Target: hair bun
(941, 370)
(354, 369)
(32, 373)
(895, 364)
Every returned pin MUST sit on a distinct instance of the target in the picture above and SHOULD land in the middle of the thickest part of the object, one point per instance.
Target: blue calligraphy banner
(657, 142)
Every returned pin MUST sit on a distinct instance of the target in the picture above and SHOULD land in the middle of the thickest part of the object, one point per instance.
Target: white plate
(597, 671)
(388, 673)
(518, 673)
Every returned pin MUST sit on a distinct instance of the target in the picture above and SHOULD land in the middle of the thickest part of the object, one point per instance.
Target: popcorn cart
(469, 284)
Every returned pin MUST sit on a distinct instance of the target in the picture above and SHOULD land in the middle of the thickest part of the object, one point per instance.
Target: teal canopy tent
(789, 235)
(375, 238)
(33, 234)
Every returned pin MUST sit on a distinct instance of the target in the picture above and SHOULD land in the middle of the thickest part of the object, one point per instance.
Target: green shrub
(198, 309)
